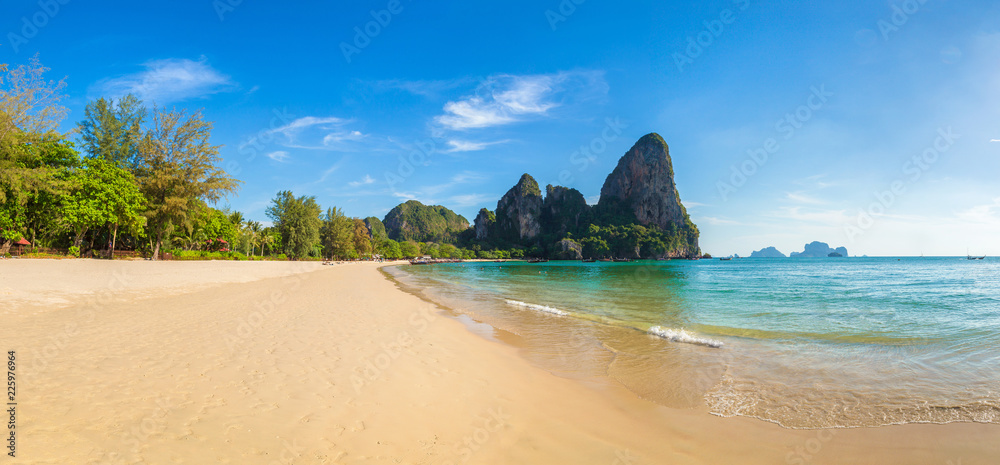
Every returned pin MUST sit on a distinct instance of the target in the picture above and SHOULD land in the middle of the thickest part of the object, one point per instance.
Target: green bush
(74, 251)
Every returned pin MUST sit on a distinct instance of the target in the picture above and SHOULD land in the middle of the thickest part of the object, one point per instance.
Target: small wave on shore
(681, 335)
(540, 308)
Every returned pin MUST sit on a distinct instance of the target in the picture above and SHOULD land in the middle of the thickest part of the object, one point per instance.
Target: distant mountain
(414, 221)
(639, 213)
(818, 249)
(767, 252)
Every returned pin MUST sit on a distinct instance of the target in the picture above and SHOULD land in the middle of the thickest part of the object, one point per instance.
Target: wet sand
(264, 363)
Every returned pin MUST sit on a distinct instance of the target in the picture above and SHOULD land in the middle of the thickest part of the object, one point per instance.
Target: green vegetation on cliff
(414, 221)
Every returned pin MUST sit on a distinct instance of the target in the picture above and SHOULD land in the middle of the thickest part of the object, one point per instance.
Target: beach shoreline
(257, 363)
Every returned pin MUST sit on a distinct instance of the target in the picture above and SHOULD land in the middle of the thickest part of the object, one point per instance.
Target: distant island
(813, 249)
(767, 252)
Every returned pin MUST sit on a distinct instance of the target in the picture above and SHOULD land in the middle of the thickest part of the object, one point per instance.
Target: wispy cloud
(718, 221)
(994, 140)
(470, 146)
(425, 88)
(505, 99)
(364, 181)
(432, 194)
(312, 133)
(800, 197)
(469, 200)
(169, 80)
(278, 156)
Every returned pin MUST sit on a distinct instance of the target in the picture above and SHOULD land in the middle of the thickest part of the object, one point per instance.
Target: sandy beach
(297, 363)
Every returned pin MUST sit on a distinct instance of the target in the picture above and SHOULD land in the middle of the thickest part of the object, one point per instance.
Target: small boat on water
(970, 257)
(419, 262)
(589, 260)
(605, 260)
(621, 260)
(725, 258)
(537, 260)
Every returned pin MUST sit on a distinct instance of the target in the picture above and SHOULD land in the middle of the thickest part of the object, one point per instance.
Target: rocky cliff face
(643, 185)
(644, 180)
(519, 211)
(563, 209)
(485, 222)
(569, 249)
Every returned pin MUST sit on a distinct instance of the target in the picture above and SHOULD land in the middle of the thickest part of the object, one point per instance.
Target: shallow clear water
(800, 342)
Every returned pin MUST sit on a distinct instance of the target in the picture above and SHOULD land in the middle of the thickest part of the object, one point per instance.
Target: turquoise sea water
(800, 342)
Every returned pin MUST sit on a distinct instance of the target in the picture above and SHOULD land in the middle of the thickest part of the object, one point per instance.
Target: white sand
(257, 365)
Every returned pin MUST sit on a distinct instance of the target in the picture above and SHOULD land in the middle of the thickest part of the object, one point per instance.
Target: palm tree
(254, 229)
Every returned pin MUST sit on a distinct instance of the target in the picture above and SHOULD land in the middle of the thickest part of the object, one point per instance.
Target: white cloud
(169, 80)
(279, 156)
(311, 133)
(506, 99)
(469, 200)
(366, 180)
(718, 221)
(470, 146)
(799, 197)
(982, 214)
(994, 140)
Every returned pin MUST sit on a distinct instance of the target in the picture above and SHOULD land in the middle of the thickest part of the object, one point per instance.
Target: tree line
(132, 177)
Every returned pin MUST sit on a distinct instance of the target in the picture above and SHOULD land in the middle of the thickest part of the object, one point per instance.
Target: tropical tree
(178, 170)
(409, 249)
(29, 115)
(253, 230)
(102, 194)
(362, 240)
(113, 131)
(297, 220)
(337, 234)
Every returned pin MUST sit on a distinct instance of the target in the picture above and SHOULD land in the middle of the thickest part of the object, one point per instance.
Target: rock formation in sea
(639, 214)
(767, 252)
(642, 185)
(484, 224)
(563, 210)
(818, 249)
(519, 211)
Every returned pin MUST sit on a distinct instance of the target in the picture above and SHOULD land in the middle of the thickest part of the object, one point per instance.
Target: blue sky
(449, 102)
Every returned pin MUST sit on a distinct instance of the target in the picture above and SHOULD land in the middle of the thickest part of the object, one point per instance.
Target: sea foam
(540, 308)
(680, 335)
